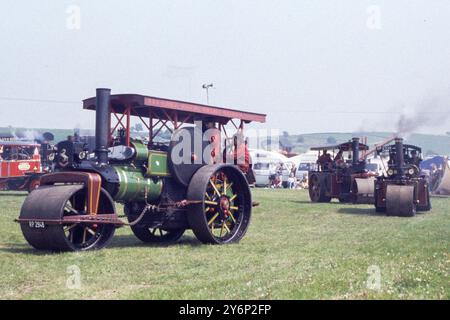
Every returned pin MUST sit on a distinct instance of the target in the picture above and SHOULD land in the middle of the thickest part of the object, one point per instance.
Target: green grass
(293, 250)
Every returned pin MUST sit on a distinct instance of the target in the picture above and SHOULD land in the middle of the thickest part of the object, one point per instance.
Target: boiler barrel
(133, 186)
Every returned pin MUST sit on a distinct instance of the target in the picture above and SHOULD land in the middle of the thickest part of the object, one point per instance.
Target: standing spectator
(294, 170)
(280, 175)
(291, 181)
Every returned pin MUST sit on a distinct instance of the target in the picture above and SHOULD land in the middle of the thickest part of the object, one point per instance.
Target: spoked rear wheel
(149, 234)
(157, 235)
(222, 204)
(57, 202)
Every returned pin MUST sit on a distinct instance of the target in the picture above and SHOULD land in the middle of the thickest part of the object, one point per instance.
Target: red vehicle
(341, 177)
(21, 165)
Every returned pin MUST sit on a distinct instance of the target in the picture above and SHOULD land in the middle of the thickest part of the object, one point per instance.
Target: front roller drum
(221, 204)
(400, 201)
(364, 190)
(50, 204)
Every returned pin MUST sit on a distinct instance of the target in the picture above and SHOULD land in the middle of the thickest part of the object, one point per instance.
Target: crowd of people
(292, 182)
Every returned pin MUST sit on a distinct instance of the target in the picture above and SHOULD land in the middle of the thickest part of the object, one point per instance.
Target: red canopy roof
(145, 107)
(346, 146)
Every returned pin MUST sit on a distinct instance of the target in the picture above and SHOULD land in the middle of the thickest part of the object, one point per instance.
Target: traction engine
(165, 188)
(403, 190)
(346, 180)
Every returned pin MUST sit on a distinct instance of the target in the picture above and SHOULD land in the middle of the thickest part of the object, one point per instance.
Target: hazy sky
(312, 66)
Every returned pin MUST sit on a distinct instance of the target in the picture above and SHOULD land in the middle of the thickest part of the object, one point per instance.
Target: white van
(263, 170)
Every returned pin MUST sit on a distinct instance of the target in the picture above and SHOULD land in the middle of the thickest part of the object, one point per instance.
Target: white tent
(267, 156)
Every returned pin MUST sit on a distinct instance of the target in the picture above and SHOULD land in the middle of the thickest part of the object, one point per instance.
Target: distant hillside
(431, 144)
(29, 133)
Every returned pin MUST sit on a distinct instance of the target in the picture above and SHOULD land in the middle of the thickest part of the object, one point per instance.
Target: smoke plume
(30, 135)
(428, 114)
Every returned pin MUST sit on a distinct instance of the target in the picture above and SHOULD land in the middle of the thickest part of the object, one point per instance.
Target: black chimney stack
(355, 151)
(102, 125)
(399, 156)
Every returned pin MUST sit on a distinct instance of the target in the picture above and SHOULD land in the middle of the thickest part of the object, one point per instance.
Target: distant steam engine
(403, 190)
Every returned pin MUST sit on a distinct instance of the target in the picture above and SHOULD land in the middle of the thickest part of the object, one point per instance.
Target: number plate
(36, 224)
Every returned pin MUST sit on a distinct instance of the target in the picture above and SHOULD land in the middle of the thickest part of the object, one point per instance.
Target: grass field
(293, 250)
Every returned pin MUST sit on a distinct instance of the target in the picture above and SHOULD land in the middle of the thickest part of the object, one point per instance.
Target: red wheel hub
(225, 205)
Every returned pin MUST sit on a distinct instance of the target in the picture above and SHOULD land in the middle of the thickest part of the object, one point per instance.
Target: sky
(311, 66)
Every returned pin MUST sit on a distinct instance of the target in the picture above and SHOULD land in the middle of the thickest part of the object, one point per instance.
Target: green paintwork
(133, 185)
(157, 164)
(141, 151)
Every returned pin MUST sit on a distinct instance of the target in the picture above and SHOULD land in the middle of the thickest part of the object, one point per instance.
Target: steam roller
(165, 189)
(403, 191)
(345, 178)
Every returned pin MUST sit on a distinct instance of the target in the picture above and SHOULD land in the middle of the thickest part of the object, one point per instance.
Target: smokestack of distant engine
(102, 125)
(355, 151)
(400, 159)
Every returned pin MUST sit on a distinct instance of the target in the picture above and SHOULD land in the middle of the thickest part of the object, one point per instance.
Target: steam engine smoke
(428, 114)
